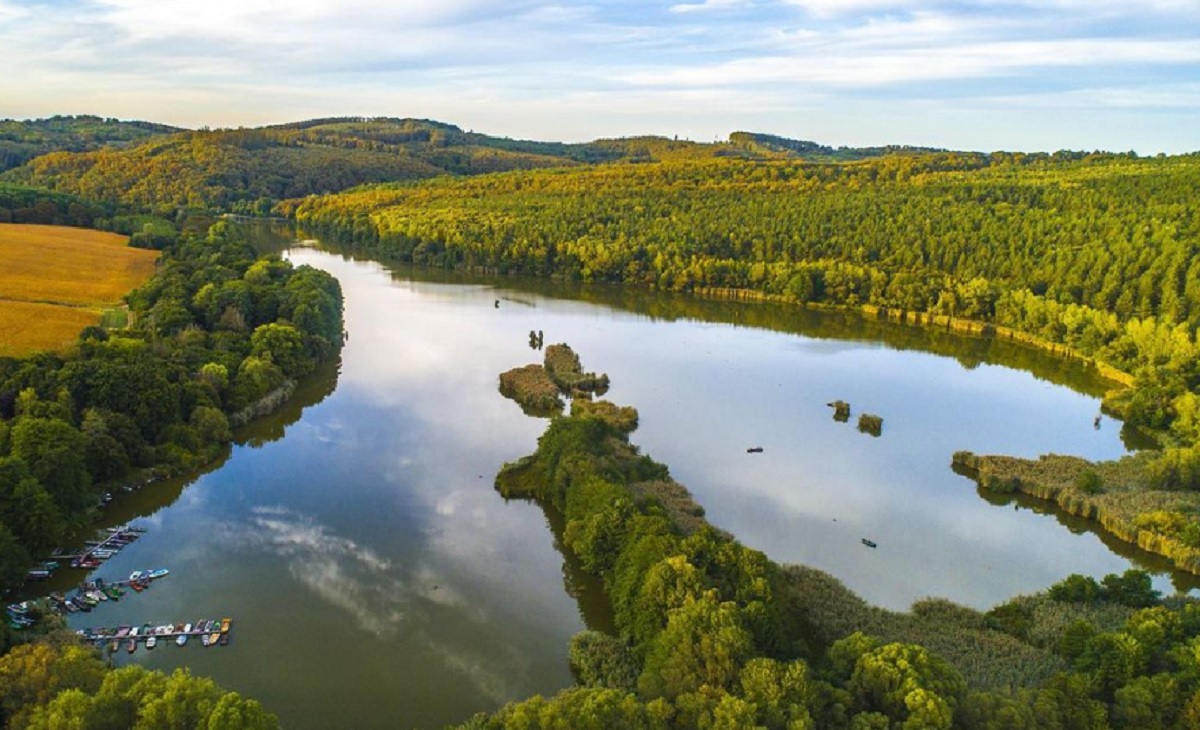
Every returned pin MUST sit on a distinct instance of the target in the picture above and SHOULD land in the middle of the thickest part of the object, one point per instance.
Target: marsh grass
(533, 389)
(988, 659)
(1117, 494)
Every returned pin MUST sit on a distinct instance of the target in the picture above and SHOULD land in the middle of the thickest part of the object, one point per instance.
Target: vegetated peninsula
(713, 634)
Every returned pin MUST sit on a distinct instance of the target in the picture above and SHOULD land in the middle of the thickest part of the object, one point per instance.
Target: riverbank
(959, 325)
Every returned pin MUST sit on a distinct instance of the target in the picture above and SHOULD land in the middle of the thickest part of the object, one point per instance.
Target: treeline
(23, 204)
(21, 141)
(217, 335)
(1093, 252)
(714, 635)
(57, 683)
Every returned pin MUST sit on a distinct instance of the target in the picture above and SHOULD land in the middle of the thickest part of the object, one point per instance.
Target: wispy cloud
(338, 570)
(536, 68)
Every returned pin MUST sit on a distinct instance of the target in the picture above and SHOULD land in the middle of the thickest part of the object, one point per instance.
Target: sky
(965, 74)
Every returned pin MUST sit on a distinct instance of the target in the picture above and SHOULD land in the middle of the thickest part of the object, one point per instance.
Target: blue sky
(967, 74)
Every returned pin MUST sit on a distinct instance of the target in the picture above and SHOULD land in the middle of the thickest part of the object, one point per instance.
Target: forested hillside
(21, 141)
(153, 168)
(248, 170)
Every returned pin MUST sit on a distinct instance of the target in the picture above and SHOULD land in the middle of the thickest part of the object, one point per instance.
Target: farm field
(55, 280)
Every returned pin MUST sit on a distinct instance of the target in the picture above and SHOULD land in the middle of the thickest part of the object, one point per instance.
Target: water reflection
(377, 579)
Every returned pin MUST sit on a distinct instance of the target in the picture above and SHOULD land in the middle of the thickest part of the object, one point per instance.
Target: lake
(377, 580)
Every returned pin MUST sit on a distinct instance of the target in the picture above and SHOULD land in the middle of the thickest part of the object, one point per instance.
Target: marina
(95, 552)
(86, 597)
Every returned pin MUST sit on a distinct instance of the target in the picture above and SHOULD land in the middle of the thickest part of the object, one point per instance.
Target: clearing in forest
(56, 280)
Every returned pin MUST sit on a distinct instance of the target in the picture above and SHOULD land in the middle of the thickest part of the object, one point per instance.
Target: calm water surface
(377, 580)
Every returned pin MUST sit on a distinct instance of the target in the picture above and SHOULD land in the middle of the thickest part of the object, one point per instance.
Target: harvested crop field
(55, 280)
(26, 327)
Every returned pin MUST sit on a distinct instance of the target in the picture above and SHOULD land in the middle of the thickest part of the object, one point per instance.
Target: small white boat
(183, 637)
(136, 576)
(157, 573)
(204, 640)
(151, 642)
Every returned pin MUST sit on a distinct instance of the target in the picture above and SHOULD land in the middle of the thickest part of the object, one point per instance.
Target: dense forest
(711, 634)
(23, 204)
(248, 170)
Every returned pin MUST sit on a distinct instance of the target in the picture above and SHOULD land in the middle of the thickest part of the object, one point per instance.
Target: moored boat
(151, 642)
(225, 624)
(131, 646)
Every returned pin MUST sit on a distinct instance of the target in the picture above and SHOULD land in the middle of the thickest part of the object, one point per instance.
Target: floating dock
(210, 632)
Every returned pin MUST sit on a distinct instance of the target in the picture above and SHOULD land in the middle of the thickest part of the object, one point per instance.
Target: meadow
(55, 281)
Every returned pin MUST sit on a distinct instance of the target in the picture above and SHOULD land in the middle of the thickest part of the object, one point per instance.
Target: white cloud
(574, 71)
(888, 66)
(708, 5)
(827, 8)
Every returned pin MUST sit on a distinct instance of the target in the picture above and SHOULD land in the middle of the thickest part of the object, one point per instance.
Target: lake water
(377, 580)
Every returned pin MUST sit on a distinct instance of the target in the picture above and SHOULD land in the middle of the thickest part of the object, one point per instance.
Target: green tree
(703, 644)
(56, 454)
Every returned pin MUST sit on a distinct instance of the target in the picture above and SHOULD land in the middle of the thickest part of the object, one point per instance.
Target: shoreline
(1061, 481)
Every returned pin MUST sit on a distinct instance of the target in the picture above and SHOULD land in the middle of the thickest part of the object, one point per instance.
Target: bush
(1089, 482)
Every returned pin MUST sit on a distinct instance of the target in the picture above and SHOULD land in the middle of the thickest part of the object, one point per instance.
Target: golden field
(55, 280)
